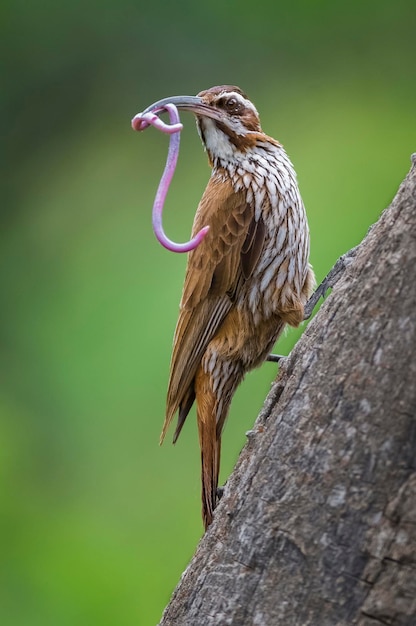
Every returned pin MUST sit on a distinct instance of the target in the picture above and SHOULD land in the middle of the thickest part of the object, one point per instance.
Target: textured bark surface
(317, 524)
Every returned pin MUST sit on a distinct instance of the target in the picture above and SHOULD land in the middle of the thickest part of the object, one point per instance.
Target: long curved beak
(194, 104)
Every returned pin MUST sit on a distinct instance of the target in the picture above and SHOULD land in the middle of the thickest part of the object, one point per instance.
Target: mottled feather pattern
(269, 179)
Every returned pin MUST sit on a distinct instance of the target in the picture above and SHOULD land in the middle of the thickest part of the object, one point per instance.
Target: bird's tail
(213, 402)
(210, 468)
(210, 444)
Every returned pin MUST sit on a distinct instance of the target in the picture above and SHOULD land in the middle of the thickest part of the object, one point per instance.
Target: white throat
(216, 142)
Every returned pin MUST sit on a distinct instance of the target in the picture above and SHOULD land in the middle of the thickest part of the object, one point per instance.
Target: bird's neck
(225, 145)
(263, 170)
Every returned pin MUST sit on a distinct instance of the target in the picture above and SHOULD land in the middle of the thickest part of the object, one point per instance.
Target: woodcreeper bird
(247, 279)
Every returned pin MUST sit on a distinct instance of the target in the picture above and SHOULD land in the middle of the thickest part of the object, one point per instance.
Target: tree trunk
(317, 525)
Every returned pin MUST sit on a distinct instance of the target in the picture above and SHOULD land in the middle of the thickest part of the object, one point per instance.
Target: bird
(248, 278)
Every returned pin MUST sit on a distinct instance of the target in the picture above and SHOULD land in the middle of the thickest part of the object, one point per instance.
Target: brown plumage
(248, 278)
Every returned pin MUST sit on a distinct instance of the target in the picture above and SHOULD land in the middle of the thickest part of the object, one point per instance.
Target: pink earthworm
(140, 122)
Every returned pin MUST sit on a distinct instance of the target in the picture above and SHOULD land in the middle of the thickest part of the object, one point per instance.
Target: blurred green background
(97, 521)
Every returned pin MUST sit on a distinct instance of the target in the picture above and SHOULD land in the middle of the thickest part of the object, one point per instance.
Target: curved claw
(140, 122)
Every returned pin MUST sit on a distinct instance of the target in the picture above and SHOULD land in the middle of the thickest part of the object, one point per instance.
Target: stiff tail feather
(209, 441)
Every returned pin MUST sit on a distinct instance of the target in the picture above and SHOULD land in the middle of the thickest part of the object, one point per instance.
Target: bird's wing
(226, 255)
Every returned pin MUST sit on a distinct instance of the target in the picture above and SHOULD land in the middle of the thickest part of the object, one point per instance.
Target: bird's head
(227, 121)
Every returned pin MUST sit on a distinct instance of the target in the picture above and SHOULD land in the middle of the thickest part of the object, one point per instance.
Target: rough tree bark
(317, 525)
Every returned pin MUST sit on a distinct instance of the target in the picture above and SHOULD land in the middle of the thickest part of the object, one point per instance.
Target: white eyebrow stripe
(233, 94)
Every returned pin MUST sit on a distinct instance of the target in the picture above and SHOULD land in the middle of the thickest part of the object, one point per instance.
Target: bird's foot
(220, 493)
(329, 281)
(275, 358)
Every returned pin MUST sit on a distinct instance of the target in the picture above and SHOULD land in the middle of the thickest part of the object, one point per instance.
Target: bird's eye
(232, 103)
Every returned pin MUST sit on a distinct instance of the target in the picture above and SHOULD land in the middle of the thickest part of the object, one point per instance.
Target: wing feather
(252, 247)
(214, 268)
